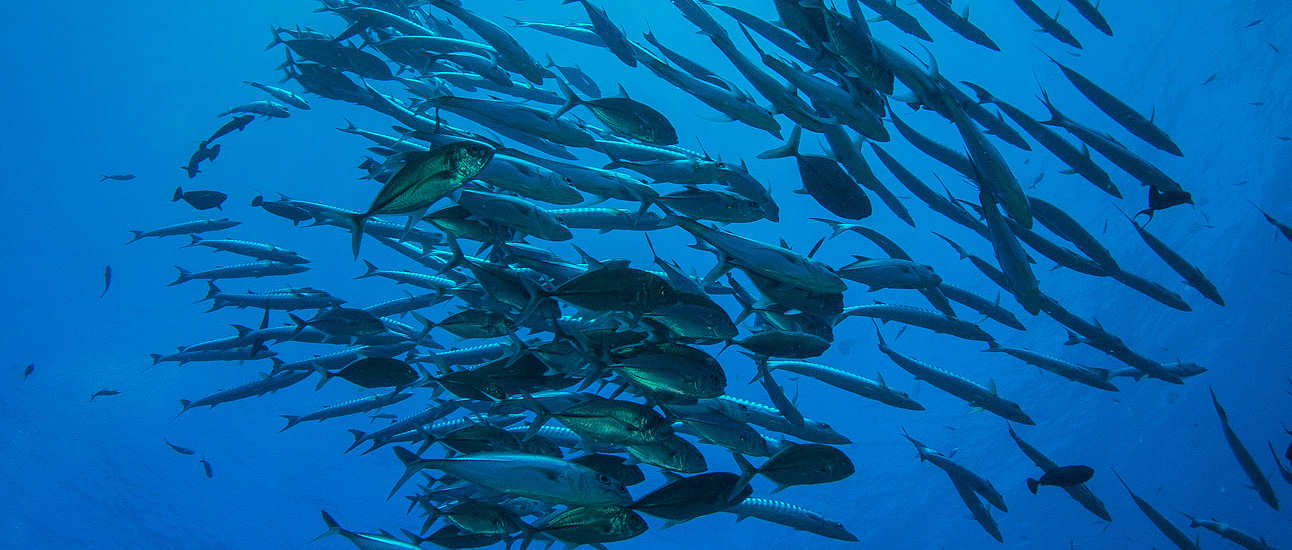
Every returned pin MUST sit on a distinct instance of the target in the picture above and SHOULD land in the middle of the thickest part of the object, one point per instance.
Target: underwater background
(114, 87)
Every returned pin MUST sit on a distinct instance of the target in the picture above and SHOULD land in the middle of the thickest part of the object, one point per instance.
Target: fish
(187, 228)
(892, 14)
(178, 449)
(374, 372)
(1130, 119)
(206, 468)
(262, 268)
(365, 541)
(973, 393)
(116, 177)
(824, 180)
(1080, 493)
(1192, 275)
(237, 123)
(799, 464)
(1164, 525)
(533, 476)
(1284, 229)
(1050, 25)
(104, 393)
(1090, 11)
(202, 153)
(1093, 377)
(792, 516)
(847, 381)
(687, 498)
(201, 200)
(262, 251)
(1063, 476)
(1253, 470)
(611, 35)
(1227, 531)
(425, 178)
(623, 115)
(286, 96)
(107, 280)
(266, 384)
(267, 109)
(941, 10)
(28, 370)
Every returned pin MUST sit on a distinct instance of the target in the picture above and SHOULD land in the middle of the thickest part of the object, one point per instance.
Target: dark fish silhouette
(107, 280)
(201, 200)
(116, 177)
(206, 468)
(373, 372)
(1063, 476)
(236, 124)
(177, 448)
(26, 373)
(1161, 200)
(202, 153)
(104, 393)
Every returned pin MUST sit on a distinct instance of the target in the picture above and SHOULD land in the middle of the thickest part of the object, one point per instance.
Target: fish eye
(603, 478)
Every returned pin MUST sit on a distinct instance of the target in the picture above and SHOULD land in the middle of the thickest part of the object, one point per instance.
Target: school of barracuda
(574, 374)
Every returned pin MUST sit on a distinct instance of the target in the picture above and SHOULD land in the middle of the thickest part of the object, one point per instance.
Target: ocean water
(131, 87)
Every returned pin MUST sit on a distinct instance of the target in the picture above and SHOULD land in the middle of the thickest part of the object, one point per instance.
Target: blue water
(113, 87)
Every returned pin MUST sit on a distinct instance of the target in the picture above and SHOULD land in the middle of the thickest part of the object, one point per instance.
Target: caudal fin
(789, 149)
(356, 223)
(412, 465)
(179, 194)
(137, 235)
(571, 99)
(333, 528)
(1032, 484)
(184, 276)
(291, 421)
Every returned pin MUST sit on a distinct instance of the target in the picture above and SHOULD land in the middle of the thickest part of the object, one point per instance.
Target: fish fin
(333, 528)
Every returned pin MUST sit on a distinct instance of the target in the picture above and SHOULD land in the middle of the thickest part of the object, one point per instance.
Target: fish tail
(358, 439)
(184, 276)
(196, 240)
(184, 403)
(179, 194)
(137, 235)
(258, 200)
(412, 465)
(156, 357)
(333, 528)
(356, 223)
(291, 421)
(789, 149)
(1032, 484)
(572, 100)
(211, 292)
(747, 473)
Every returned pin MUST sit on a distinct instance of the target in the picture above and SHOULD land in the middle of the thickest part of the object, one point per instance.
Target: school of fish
(575, 376)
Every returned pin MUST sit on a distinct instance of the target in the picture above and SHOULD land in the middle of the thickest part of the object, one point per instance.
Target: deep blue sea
(132, 87)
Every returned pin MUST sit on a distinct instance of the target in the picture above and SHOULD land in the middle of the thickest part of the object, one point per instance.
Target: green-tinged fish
(1011, 258)
(614, 466)
(592, 525)
(614, 421)
(425, 178)
(670, 369)
(540, 477)
(670, 453)
(624, 116)
(687, 498)
(800, 464)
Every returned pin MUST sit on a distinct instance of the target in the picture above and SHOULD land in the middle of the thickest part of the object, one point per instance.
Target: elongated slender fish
(973, 393)
(1253, 470)
(1080, 493)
